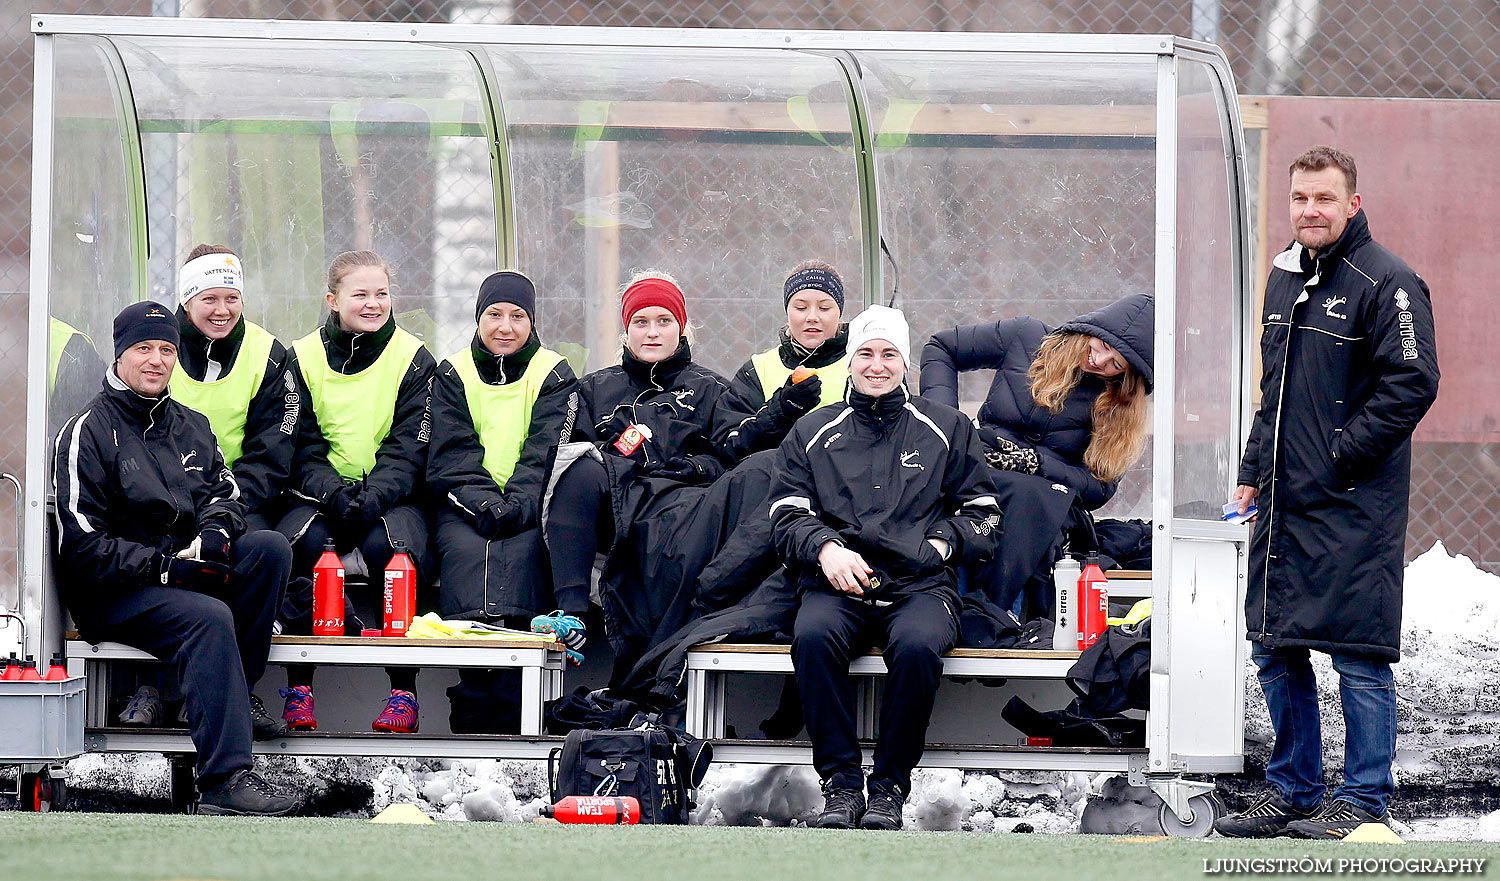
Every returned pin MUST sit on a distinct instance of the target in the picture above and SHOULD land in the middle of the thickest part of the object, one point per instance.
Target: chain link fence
(1391, 48)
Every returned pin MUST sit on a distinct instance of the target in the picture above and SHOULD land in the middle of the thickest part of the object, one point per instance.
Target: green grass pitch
(135, 847)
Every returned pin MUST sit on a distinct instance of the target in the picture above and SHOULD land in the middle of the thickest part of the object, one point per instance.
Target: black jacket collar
(794, 354)
(879, 413)
(660, 373)
(1355, 234)
(502, 369)
(137, 409)
(350, 352)
(196, 350)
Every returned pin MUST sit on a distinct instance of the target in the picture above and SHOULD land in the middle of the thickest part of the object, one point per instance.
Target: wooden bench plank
(784, 649)
(537, 641)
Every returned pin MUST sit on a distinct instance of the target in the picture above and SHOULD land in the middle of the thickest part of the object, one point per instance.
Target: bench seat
(539, 660)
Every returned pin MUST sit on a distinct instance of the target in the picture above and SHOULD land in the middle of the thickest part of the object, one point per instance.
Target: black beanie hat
(1128, 324)
(506, 287)
(139, 322)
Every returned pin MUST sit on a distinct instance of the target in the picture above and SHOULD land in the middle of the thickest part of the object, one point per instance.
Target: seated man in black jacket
(150, 553)
(875, 499)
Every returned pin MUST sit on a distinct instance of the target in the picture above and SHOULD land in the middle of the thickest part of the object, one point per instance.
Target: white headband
(209, 271)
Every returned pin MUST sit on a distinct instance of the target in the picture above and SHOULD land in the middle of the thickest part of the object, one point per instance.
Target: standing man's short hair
(1320, 157)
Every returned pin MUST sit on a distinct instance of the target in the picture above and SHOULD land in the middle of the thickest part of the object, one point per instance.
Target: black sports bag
(658, 765)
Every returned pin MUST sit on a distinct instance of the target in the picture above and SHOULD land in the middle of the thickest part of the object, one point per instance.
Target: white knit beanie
(880, 323)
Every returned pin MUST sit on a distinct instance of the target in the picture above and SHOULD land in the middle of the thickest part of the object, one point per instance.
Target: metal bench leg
(713, 704)
(531, 700)
(866, 706)
(695, 718)
(97, 712)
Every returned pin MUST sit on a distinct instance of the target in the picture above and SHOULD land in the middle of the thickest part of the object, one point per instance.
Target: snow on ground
(1447, 684)
(941, 799)
(1448, 688)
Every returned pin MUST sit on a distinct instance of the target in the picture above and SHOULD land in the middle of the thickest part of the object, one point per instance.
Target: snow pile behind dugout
(1447, 692)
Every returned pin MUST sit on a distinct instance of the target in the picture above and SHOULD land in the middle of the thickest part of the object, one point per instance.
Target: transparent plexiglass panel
(291, 152)
(1207, 399)
(1016, 184)
(92, 272)
(725, 168)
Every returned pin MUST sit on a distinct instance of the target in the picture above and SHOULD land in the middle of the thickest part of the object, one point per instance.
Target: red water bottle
(1093, 602)
(58, 671)
(328, 593)
(29, 672)
(12, 669)
(603, 809)
(400, 591)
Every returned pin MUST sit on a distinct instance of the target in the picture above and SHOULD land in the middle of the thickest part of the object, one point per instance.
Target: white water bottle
(1065, 606)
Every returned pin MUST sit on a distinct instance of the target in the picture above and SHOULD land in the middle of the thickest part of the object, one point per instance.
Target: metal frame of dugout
(895, 92)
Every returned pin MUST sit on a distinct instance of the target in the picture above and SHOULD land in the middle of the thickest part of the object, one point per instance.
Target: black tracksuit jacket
(881, 476)
(135, 479)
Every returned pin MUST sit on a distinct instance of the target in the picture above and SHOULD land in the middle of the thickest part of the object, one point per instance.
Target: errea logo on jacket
(1406, 328)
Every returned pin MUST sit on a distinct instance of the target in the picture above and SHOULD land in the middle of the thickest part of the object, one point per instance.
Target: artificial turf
(141, 847)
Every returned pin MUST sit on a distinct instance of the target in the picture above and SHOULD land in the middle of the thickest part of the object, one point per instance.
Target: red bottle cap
(369, 633)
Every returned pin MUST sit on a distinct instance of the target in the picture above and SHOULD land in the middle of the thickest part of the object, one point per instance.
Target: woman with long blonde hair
(1064, 419)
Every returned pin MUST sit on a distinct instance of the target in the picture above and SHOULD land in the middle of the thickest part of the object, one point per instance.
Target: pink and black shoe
(298, 711)
(399, 715)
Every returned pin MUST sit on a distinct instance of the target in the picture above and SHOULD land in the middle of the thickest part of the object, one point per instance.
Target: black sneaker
(263, 725)
(1337, 819)
(842, 807)
(1264, 819)
(246, 794)
(884, 811)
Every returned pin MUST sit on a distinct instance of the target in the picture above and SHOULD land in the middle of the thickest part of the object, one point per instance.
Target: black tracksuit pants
(831, 630)
(215, 648)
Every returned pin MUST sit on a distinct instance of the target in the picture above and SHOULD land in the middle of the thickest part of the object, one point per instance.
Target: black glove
(495, 519)
(340, 498)
(699, 469)
(361, 508)
(800, 398)
(200, 576)
(213, 545)
(1011, 456)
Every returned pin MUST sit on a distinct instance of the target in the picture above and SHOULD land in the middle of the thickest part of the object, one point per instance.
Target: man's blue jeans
(1367, 692)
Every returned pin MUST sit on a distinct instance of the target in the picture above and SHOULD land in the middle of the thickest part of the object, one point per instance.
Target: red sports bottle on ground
(400, 591)
(328, 593)
(1093, 602)
(29, 672)
(603, 809)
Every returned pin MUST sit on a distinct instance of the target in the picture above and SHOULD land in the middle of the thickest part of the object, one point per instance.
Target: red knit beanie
(653, 291)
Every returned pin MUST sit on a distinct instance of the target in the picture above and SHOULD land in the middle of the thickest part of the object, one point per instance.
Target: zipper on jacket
(1286, 353)
(656, 385)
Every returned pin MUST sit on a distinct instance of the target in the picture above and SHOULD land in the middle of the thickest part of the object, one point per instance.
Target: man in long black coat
(1350, 369)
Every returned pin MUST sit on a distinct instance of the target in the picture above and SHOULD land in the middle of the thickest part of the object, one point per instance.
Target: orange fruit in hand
(802, 373)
